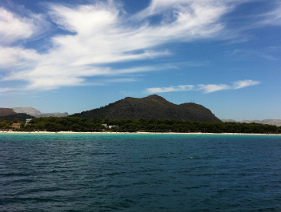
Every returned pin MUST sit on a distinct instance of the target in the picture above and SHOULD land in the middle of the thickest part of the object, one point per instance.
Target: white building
(27, 121)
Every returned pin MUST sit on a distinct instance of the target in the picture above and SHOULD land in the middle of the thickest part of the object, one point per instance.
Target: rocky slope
(6, 111)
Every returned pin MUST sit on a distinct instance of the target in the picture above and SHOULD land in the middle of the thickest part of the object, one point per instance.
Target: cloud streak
(15, 28)
(170, 89)
(273, 17)
(209, 88)
(98, 35)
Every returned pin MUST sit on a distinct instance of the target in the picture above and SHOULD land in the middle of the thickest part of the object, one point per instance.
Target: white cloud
(6, 89)
(192, 8)
(18, 58)
(236, 85)
(101, 34)
(49, 83)
(14, 27)
(245, 83)
(170, 89)
(212, 87)
(209, 88)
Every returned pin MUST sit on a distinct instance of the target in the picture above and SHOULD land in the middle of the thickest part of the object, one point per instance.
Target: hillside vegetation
(151, 107)
(20, 116)
(133, 125)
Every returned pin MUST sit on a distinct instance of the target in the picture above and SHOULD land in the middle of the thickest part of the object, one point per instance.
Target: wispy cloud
(170, 89)
(213, 87)
(273, 17)
(101, 34)
(244, 54)
(244, 83)
(15, 27)
(209, 88)
(6, 89)
(236, 85)
(121, 80)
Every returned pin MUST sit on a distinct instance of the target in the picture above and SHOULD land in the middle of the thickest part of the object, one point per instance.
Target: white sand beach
(103, 133)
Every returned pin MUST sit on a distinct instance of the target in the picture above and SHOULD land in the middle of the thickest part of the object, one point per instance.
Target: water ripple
(140, 173)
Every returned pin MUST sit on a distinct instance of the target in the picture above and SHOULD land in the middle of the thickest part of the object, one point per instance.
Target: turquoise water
(132, 172)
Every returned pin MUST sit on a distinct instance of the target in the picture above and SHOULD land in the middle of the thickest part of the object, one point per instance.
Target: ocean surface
(133, 172)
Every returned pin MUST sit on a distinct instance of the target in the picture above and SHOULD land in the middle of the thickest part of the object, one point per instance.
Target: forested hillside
(151, 107)
(20, 116)
(133, 125)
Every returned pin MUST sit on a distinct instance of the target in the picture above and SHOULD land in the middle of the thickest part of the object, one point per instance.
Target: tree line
(76, 124)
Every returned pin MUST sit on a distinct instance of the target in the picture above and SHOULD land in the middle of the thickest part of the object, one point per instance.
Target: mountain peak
(154, 97)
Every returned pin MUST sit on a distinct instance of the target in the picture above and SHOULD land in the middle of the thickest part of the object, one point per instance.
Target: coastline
(131, 133)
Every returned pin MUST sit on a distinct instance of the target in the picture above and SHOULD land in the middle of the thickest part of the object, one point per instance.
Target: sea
(140, 172)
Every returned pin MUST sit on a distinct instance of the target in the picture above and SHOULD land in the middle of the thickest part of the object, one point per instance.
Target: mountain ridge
(36, 113)
(276, 122)
(20, 116)
(6, 111)
(150, 107)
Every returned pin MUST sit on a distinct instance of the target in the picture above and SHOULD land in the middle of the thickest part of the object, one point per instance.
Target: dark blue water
(140, 173)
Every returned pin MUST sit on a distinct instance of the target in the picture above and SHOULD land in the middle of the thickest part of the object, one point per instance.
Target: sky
(77, 55)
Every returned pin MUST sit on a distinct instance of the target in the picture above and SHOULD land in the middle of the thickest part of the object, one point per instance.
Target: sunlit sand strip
(110, 133)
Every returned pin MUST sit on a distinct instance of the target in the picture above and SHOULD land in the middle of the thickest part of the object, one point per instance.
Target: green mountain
(151, 107)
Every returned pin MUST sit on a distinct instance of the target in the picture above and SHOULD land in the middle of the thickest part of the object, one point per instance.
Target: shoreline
(131, 133)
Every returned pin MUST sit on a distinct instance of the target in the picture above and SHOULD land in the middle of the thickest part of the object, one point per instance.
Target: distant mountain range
(23, 113)
(36, 113)
(151, 107)
(276, 122)
(6, 111)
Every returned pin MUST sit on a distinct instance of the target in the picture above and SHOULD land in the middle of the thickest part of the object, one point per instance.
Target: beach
(157, 133)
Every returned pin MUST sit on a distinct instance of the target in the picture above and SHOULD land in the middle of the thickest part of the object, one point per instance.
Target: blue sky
(71, 56)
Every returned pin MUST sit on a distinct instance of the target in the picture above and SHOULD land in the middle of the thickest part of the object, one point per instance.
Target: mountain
(276, 122)
(36, 113)
(6, 111)
(56, 114)
(19, 116)
(28, 110)
(151, 107)
(228, 120)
